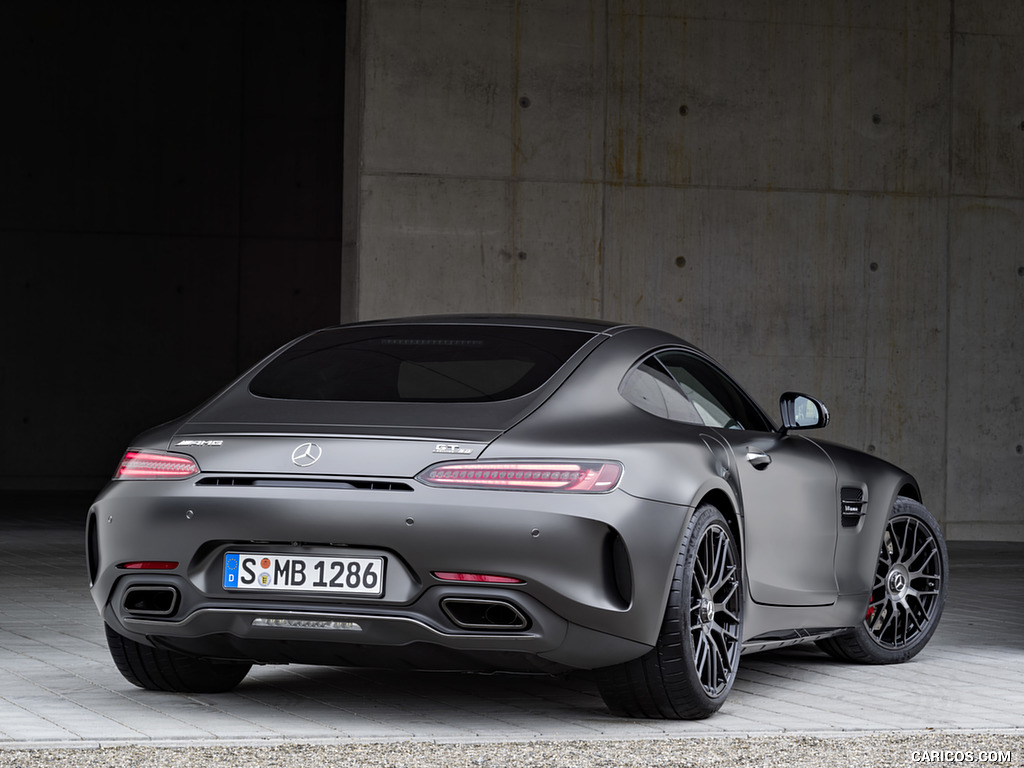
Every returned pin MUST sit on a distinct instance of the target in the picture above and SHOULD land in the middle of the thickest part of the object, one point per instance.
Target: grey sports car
(505, 493)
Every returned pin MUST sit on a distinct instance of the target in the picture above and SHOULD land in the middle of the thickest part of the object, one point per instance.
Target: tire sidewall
(677, 615)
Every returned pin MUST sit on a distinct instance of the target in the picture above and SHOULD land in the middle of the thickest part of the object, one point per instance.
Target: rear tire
(907, 595)
(157, 669)
(691, 669)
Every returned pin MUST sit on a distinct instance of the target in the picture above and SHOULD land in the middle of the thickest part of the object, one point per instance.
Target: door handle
(758, 459)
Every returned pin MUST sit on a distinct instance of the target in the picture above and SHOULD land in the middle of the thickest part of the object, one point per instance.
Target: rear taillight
(566, 476)
(138, 465)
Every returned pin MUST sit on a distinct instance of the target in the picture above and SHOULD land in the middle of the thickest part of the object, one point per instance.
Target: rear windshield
(418, 363)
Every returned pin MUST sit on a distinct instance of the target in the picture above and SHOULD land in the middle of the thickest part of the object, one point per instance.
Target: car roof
(522, 320)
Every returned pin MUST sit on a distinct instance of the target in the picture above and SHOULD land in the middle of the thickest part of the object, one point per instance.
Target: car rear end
(338, 505)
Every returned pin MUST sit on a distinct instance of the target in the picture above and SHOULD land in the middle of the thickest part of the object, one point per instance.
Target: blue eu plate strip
(230, 570)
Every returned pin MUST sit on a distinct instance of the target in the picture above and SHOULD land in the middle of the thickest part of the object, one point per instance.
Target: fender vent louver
(347, 484)
(852, 506)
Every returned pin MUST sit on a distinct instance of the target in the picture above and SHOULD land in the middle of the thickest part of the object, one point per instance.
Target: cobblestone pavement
(59, 689)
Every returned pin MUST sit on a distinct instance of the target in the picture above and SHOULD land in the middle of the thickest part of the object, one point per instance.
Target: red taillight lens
(479, 578)
(137, 465)
(575, 477)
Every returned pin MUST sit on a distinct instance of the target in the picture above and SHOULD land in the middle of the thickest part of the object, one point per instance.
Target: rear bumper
(271, 634)
(595, 571)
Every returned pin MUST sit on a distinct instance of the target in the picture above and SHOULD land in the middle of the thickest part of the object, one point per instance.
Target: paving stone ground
(58, 687)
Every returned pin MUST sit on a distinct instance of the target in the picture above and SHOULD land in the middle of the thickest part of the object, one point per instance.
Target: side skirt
(774, 640)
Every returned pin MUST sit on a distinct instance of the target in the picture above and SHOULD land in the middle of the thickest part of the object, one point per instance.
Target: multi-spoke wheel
(691, 668)
(908, 593)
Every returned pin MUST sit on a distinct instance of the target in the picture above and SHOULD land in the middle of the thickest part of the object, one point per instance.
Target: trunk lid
(312, 454)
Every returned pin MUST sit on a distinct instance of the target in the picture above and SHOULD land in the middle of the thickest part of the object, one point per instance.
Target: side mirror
(802, 412)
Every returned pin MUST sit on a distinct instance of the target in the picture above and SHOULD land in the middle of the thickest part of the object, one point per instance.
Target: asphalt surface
(62, 699)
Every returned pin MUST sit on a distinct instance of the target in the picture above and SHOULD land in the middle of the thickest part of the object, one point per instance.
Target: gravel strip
(876, 750)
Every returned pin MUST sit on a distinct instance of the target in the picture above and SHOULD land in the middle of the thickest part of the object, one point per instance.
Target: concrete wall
(826, 196)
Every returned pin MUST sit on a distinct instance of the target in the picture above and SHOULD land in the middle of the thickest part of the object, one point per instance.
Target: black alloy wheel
(907, 594)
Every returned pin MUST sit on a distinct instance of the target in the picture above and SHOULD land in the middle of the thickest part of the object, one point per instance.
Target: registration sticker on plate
(305, 573)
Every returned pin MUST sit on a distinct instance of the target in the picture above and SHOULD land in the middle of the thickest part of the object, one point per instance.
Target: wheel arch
(723, 502)
(857, 550)
(911, 491)
(721, 499)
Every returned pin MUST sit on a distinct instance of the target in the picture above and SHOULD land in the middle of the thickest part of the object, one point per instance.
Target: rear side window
(418, 363)
(651, 387)
(718, 400)
(683, 387)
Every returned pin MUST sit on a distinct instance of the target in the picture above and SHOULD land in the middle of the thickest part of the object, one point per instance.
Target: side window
(650, 387)
(717, 399)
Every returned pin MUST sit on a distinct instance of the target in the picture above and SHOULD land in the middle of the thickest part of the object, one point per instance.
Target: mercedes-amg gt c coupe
(505, 493)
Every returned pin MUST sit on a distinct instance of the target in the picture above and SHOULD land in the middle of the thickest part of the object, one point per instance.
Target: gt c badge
(452, 449)
(306, 455)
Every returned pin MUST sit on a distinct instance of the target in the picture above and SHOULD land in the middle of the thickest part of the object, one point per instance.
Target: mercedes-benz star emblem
(306, 455)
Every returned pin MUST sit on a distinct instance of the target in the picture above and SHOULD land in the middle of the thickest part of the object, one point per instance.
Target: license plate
(305, 573)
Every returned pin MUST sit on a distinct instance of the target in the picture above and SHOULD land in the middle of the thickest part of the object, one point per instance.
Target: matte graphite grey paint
(589, 575)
